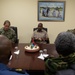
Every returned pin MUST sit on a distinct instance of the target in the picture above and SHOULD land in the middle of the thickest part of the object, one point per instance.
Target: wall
(23, 14)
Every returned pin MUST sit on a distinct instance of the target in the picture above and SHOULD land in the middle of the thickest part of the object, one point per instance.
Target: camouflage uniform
(52, 65)
(10, 34)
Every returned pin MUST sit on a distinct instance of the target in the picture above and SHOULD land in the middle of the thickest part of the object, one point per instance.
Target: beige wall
(23, 14)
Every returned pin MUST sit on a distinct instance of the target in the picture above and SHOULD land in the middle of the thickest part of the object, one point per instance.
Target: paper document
(42, 56)
(45, 55)
(17, 52)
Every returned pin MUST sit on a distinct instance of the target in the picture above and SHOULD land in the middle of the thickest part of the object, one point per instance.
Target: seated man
(40, 35)
(65, 46)
(5, 52)
(8, 32)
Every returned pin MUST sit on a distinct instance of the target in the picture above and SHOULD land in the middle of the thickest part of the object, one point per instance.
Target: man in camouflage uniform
(65, 46)
(8, 32)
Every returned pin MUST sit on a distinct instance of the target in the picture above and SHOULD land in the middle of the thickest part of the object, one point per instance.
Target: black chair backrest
(37, 28)
(16, 31)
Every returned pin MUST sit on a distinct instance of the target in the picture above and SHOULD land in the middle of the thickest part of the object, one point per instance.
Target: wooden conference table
(29, 61)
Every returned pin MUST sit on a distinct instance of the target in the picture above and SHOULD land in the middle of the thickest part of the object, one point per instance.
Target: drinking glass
(41, 52)
(44, 51)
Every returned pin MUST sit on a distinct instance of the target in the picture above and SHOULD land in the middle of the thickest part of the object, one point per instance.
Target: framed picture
(51, 10)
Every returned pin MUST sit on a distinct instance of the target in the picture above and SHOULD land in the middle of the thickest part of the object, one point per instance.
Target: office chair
(16, 31)
(37, 28)
(46, 31)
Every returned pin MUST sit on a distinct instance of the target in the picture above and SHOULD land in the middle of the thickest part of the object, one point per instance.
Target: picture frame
(51, 10)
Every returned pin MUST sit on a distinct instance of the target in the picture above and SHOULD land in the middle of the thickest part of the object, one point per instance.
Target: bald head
(65, 43)
(5, 48)
(40, 26)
